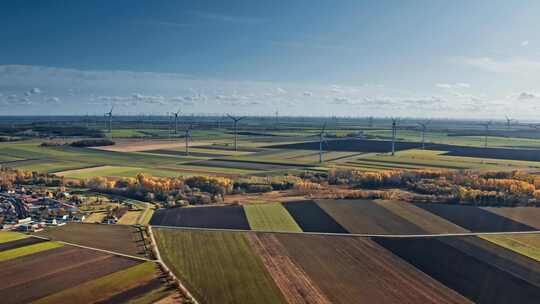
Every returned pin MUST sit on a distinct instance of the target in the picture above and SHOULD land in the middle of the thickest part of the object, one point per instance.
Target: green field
(525, 244)
(7, 236)
(26, 250)
(217, 267)
(270, 217)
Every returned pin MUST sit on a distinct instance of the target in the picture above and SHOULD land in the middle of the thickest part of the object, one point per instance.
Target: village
(34, 208)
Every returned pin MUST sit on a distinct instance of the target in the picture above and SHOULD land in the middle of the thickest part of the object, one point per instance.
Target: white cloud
(525, 43)
(307, 94)
(526, 96)
(457, 85)
(514, 65)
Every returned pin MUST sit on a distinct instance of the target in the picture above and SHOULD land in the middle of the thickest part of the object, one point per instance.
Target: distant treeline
(50, 131)
(92, 143)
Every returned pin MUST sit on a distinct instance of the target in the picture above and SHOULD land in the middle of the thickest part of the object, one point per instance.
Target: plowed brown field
(356, 270)
(293, 282)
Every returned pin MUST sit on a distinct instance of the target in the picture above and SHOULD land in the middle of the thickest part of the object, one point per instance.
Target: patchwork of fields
(377, 217)
(42, 271)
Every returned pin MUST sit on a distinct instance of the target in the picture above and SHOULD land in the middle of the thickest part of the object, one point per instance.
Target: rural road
(166, 268)
(359, 234)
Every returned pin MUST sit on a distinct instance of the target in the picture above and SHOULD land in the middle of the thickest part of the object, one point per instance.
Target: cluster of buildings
(25, 210)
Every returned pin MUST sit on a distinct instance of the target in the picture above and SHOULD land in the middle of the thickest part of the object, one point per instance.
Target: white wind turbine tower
(394, 132)
(322, 140)
(176, 121)
(423, 127)
(110, 115)
(235, 122)
(188, 137)
(486, 125)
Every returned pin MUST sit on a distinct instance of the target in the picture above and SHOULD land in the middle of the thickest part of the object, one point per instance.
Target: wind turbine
(109, 114)
(235, 122)
(370, 121)
(321, 140)
(486, 125)
(508, 122)
(176, 121)
(423, 126)
(188, 137)
(394, 132)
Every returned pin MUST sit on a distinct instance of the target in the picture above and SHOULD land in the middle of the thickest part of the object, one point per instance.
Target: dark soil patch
(133, 293)
(311, 218)
(474, 218)
(217, 217)
(473, 277)
(20, 243)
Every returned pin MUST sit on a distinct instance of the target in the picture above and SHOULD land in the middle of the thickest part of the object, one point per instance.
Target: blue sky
(407, 58)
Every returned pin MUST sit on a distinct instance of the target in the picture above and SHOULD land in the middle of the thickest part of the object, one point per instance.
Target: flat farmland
(37, 276)
(529, 216)
(312, 218)
(125, 285)
(292, 280)
(425, 220)
(384, 146)
(217, 267)
(117, 238)
(474, 219)
(525, 244)
(474, 278)
(356, 270)
(218, 217)
(270, 217)
(367, 217)
(8, 236)
(30, 249)
(506, 259)
(19, 243)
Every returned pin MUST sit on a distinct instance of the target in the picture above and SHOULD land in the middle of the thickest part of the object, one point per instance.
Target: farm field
(50, 272)
(116, 238)
(337, 264)
(474, 219)
(525, 244)
(428, 222)
(437, 257)
(312, 218)
(217, 217)
(270, 217)
(529, 216)
(217, 267)
(367, 217)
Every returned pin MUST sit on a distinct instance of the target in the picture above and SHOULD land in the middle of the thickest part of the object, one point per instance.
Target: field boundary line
(166, 268)
(97, 249)
(355, 234)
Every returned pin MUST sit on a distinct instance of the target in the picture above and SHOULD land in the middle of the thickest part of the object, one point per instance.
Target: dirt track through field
(82, 170)
(293, 282)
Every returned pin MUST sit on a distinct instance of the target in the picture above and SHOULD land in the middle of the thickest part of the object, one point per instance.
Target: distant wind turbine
(235, 122)
(423, 127)
(322, 140)
(176, 121)
(110, 116)
(188, 137)
(394, 132)
(486, 126)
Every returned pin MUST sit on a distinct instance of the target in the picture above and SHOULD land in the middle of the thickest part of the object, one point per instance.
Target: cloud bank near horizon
(48, 90)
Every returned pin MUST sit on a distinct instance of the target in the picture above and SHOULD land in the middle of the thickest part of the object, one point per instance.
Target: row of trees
(490, 188)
